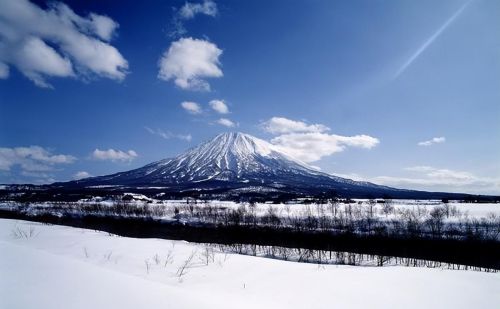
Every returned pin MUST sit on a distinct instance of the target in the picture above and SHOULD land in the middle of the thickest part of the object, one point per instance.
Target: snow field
(50, 266)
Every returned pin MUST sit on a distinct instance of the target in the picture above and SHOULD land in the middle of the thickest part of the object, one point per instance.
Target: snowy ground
(44, 266)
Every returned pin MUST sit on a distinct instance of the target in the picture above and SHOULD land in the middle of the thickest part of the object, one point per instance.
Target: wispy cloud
(36, 164)
(32, 159)
(281, 125)
(431, 39)
(441, 179)
(191, 107)
(114, 155)
(226, 122)
(81, 174)
(430, 178)
(432, 141)
(168, 134)
(189, 11)
(219, 106)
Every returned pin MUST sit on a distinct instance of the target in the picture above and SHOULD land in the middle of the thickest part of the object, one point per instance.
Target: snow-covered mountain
(237, 162)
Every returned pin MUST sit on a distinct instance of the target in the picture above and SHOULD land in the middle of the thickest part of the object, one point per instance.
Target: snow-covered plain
(44, 266)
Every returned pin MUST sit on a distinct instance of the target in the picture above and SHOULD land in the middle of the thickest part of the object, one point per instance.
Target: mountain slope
(237, 162)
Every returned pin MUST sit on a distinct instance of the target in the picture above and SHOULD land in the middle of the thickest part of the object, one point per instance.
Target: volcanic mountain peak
(232, 156)
(239, 144)
(234, 163)
(232, 149)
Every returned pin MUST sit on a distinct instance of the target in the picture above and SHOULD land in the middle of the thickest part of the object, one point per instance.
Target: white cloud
(428, 178)
(103, 26)
(114, 155)
(57, 42)
(438, 179)
(81, 174)
(32, 159)
(36, 178)
(169, 135)
(310, 147)
(219, 106)
(281, 125)
(310, 142)
(352, 176)
(4, 71)
(190, 10)
(35, 59)
(434, 140)
(226, 122)
(188, 61)
(441, 174)
(191, 107)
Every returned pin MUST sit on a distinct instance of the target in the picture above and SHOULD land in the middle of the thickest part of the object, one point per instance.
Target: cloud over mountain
(281, 125)
(310, 142)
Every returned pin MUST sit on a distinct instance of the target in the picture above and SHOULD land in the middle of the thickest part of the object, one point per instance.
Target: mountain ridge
(237, 163)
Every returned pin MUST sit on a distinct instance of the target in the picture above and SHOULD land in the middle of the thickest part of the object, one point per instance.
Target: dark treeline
(366, 219)
(56, 193)
(317, 256)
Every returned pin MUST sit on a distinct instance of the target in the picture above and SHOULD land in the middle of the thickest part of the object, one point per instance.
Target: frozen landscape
(253, 256)
(249, 154)
(56, 267)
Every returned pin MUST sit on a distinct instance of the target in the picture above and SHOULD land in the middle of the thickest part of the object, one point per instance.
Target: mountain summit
(235, 163)
(230, 157)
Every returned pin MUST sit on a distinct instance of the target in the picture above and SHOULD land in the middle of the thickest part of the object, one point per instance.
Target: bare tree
(371, 207)
(18, 232)
(387, 207)
(156, 259)
(169, 258)
(108, 255)
(186, 265)
(148, 265)
(333, 205)
(435, 220)
(85, 252)
(207, 255)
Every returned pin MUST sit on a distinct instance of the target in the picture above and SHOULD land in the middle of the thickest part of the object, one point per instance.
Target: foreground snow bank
(44, 266)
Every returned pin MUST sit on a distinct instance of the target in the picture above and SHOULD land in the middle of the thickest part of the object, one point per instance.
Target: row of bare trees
(369, 218)
(338, 257)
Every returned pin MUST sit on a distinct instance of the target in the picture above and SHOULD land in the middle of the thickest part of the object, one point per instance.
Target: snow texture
(62, 267)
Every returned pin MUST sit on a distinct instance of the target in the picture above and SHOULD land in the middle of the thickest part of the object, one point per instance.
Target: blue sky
(403, 93)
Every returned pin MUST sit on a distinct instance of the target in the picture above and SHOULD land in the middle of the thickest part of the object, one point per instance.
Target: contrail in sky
(431, 39)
